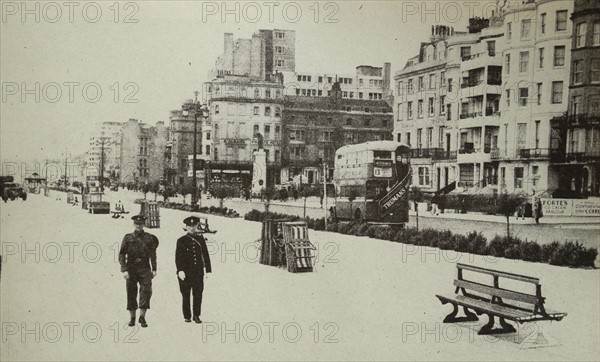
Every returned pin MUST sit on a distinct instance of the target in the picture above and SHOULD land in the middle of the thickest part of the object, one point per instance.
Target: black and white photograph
(357, 180)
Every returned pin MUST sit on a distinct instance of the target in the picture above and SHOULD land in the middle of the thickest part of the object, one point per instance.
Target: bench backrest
(499, 294)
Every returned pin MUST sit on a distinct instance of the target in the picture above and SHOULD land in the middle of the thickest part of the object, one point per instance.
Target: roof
(373, 145)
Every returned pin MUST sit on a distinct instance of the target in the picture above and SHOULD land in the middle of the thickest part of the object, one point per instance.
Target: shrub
(477, 243)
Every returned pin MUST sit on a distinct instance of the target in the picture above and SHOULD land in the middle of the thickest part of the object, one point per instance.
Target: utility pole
(325, 191)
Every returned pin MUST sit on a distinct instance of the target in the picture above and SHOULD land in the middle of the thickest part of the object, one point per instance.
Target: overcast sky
(161, 59)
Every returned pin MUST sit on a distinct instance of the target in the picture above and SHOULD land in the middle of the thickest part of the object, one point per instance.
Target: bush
(555, 253)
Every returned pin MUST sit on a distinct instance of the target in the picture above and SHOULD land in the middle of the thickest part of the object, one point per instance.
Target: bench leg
(452, 318)
(489, 327)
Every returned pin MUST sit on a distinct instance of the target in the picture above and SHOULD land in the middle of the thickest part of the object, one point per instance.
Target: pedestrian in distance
(192, 260)
(537, 210)
(138, 265)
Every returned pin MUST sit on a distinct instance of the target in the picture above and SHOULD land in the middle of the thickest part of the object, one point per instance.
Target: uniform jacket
(191, 255)
(138, 251)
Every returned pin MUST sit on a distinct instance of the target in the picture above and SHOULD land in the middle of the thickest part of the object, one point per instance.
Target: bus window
(387, 155)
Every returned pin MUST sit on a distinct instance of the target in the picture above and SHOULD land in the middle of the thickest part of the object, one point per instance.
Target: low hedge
(213, 210)
(555, 253)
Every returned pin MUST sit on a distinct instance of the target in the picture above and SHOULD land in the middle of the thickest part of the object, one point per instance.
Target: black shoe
(187, 320)
(197, 320)
(143, 322)
(132, 322)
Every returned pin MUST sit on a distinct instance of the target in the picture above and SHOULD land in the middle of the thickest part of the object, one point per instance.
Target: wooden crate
(298, 248)
(151, 211)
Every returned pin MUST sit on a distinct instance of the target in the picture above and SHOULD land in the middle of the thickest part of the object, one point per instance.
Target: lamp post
(101, 142)
(198, 109)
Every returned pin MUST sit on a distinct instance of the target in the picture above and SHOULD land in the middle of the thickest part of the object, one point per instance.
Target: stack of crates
(151, 212)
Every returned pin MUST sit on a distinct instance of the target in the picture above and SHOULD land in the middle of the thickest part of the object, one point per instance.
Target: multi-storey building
(244, 111)
(501, 84)
(315, 127)
(267, 52)
(536, 58)
(106, 137)
(426, 108)
(143, 149)
(576, 141)
(368, 82)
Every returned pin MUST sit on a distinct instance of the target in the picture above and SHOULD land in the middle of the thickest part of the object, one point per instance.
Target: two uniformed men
(138, 265)
(192, 260)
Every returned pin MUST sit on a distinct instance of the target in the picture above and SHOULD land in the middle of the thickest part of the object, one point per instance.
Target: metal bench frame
(495, 306)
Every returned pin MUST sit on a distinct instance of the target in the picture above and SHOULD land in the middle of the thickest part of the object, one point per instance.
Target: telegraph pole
(325, 191)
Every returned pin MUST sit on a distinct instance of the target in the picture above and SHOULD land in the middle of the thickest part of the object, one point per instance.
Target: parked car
(12, 191)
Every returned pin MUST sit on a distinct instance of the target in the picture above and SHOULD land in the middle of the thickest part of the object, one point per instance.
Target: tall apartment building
(576, 141)
(108, 133)
(267, 52)
(315, 127)
(242, 111)
(368, 82)
(536, 58)
(143, 152)
(476, 107)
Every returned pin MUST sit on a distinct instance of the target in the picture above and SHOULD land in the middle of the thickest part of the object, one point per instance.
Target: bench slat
(519, 277)
(497, 292)
(486, 306)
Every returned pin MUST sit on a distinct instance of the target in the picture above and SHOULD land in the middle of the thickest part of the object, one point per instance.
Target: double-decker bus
(372, 181)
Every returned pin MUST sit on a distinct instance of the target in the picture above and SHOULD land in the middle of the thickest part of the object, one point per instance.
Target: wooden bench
(491, 299)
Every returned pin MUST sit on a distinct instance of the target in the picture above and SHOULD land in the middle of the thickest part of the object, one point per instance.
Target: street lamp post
(101, 143)
(198, 109)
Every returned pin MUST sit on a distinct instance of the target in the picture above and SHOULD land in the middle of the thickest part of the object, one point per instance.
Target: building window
(431, 107)
(399, 137)
(595, 70)
(507, 63)
(360, 95)
(578, 72)
(561, 20)
(408, 138)
(539, 94)
(580, 30)
(559, 56)
(449, 84)
(537, 134)
(410, 86)
(442, 104)
(491, 48)
(409, 110)
(399, 112)
(508, 97)
(430, 137)
(216, 109)
(541, 57)
(279, 50)
(279, 35)
(576, 105)
(256, 111)
(419, 135)
(509, 31)
(420, 108)
(207, 148)
(523, 94)
(557, 92)
(256, 93)
(443, 79)
(465, 53)
(421, 84)
(543, 23)
(525, 28)
(280, 62)
(400, 86)
(268, 93)
(523, 62)
(596, 34)
(431, 81)
(518, 177)
(423, 176)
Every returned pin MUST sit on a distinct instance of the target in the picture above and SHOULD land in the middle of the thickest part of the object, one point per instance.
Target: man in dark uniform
(191, 259)
(138, 265)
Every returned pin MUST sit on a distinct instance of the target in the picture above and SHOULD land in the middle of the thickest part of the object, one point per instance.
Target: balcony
(480, 60)
(534, 153)
(421, 152)
(440, 154)
(590, 156)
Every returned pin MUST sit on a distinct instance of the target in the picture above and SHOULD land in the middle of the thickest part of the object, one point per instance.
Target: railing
(492, 112)
(421, 152)
(534, 153)
(593, 155)
(471, 83)
(441, 154)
